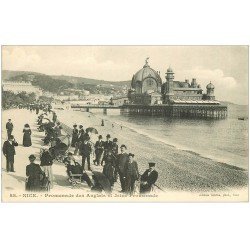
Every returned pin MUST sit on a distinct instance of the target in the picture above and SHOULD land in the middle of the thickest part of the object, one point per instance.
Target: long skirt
(48, 173)
(26, 140)
(109, 172)
(33, 184)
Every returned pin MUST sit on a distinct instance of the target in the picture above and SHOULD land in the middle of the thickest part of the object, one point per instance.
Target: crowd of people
(114, 161)
(114, 164)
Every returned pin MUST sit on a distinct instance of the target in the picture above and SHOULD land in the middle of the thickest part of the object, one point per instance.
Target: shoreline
(199, 173)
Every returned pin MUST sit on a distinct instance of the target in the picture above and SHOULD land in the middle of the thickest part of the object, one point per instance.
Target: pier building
(149, 96)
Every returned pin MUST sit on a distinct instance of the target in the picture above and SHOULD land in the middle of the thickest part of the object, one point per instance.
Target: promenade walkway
(16, 181)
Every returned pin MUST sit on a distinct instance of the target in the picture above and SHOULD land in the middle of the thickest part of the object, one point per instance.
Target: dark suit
(149, 177)
(122, 160)
(85, 151)
(9, 152)
(79, 140)
(99, 148)
(107, 147)
(9, 127)
(74, 137)
(131, 175)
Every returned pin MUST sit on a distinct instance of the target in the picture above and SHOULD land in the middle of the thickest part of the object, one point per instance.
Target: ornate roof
(144, 73)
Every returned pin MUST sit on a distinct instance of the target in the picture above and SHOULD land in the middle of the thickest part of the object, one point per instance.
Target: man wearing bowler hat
(9, 152)
(107, 147)
(9, 127)
(99, 149)
(131, 174)
(148, 178)
(122, 160)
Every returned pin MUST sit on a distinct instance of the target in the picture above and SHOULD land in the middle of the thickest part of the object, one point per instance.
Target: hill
(54, 83)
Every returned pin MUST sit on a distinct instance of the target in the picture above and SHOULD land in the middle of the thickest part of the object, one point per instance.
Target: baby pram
(59, 148)
(45, 183)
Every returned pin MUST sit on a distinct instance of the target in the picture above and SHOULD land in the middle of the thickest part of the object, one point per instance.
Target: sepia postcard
(125, 123)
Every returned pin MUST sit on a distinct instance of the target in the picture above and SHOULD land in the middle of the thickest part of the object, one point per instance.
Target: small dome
(169, 70)
(210, 86)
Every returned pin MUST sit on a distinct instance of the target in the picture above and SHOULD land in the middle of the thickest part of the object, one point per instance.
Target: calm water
(222, 140)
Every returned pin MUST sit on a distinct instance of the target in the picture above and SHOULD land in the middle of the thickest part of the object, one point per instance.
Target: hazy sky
(225, 66)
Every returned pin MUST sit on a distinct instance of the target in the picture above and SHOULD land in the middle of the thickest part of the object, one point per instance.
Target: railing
(94, 106)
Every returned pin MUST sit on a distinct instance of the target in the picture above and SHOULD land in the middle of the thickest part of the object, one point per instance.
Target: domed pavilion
(146, 86)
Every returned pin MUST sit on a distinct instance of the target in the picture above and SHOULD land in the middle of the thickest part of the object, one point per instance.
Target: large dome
(145, 72)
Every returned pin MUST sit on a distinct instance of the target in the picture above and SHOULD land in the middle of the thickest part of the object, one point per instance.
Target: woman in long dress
(27, 136)
(109, 168)
(33, 173)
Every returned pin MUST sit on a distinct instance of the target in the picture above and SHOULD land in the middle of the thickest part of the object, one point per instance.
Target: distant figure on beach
(27, 136)
(121, 126)
(112, 125)
(46, 164)
(102, 124)
(37, 110)
(131, 174)
(9, 127)
(122, 160)
(148, 178)
(34, 174)
(9, 152)
(99, 150)
(85, 151)
(74, 135)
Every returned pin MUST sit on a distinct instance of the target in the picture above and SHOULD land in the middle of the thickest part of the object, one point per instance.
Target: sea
(221, 140)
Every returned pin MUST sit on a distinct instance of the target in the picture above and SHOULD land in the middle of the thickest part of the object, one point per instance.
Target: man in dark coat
(99, 149)
(148, 178)
(81, 134)
(107, 147)
(131, 174)
(80, 139)
(9, 127)
(85, 151)
(115, 147)
(122, 160)
(74, 135)
(34, 175)
(9, 152)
